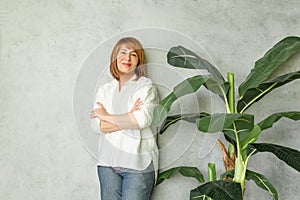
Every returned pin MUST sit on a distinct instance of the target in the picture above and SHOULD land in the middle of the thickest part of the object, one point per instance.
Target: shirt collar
(133, 77)
(130, 80)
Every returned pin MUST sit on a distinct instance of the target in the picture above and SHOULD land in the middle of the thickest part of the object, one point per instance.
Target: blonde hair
(133, 43)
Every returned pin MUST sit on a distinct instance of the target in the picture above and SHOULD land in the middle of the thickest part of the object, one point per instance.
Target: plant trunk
(229, 163)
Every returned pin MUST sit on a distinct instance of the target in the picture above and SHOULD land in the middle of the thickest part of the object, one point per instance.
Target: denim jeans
(126, 184)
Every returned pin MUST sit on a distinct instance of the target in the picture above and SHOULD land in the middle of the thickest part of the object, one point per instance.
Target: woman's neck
(124, 78)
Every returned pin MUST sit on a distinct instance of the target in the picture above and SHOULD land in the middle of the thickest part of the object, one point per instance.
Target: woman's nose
(128, 56)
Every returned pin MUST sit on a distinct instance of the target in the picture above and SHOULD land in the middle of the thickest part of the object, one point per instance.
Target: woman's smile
(127, 64)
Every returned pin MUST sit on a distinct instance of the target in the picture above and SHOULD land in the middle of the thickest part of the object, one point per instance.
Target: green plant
(238, 127)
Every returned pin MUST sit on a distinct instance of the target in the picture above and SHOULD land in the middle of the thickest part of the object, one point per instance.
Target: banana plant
(238, 127)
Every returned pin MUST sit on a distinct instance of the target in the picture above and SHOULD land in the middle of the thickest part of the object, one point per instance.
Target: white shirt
(128, 148)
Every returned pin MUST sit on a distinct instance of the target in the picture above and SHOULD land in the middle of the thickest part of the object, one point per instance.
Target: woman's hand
(137, 105)
(100, 112)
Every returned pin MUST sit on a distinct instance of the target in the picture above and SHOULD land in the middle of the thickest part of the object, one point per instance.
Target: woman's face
(127, 60)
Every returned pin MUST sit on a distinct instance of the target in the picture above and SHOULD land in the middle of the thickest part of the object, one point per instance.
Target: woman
(128, 154)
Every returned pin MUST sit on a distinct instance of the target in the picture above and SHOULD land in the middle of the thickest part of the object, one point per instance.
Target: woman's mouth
(126, 64)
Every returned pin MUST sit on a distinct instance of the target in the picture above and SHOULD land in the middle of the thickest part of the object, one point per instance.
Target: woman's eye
(134, 54)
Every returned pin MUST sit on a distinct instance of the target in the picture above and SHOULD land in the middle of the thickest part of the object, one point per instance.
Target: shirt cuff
(141, 118)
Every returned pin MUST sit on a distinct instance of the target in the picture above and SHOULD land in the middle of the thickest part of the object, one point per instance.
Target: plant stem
(231, 152)
(212, 176)
(231, 94)
(239, 170)
(231, 99)
(225, 99)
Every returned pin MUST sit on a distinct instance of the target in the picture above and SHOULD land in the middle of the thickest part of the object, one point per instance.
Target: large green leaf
(262, 182)
(288, 155)
(270, 62)
(259, 179)
(185, 58)
(217, 190)
(222, 121)
(228, 123)
(269, 121)
(255, 94)
(186, 117)
(251, 137)
(183, 170)
(219, 89)
(187, 86)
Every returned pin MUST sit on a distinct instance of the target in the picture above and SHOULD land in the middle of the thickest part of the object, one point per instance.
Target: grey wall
(43, 45)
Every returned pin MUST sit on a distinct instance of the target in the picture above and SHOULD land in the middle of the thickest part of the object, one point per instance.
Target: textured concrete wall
(43, 45)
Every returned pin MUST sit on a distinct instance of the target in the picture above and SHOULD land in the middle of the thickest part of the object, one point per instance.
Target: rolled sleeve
(148, 96)
(95, 122)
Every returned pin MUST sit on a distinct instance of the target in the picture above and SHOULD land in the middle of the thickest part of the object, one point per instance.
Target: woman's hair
(132, 43)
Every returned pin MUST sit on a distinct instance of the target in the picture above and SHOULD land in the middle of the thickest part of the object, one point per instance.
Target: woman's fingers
(93, 114)
(97, 111)
(137, 105)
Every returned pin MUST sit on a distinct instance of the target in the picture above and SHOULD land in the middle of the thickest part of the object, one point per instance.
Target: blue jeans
(126, 184)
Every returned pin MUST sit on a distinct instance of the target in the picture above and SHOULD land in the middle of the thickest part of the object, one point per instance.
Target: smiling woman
(127, 55)
(127, 152)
